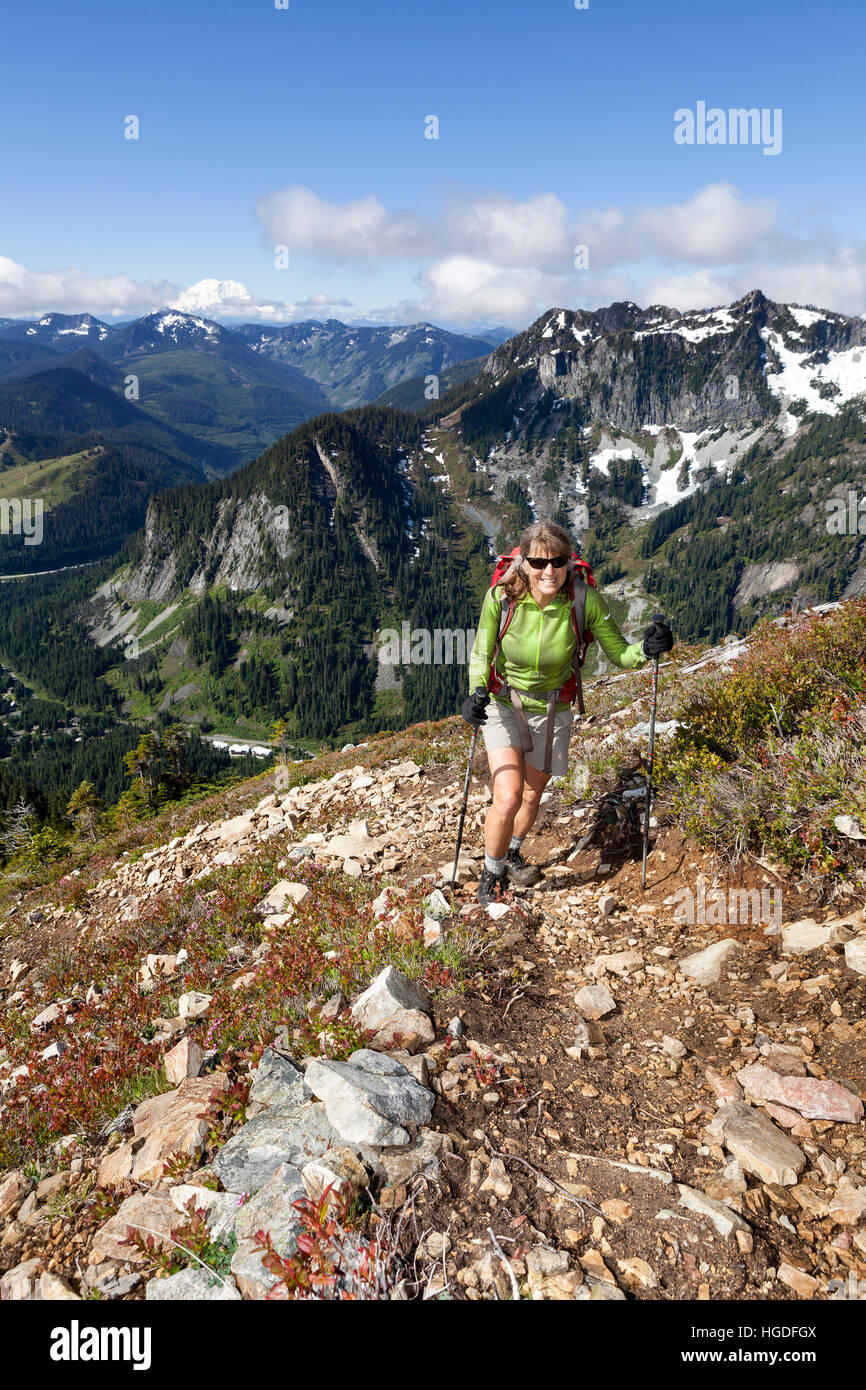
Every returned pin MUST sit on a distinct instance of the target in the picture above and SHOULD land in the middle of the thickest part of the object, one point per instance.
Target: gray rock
(761, 1147)
(595, 1001)
(706, 966)
(396, 1165)
(281, 1134)
(276, 1081)
(115, 1284)
(253, 1279)
(272, 1210)
(605, 1293)
(543, 1261)
(850, 827)
(220, 1208)
(390, 993)
(370, 1098)
(192, 1286)
(723, 1218)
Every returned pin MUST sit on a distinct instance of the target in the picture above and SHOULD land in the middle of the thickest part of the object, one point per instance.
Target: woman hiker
(528, 723)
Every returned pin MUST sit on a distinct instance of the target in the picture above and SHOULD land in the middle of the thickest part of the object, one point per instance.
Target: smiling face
(545, 584)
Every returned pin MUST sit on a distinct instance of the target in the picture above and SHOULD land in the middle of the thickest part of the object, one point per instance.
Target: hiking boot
(518, 871)
(487, 887)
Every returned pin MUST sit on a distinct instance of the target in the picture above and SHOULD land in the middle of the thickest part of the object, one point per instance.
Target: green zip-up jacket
(537, 649)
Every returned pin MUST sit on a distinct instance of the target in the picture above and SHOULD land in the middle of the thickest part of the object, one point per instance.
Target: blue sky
(305, 127)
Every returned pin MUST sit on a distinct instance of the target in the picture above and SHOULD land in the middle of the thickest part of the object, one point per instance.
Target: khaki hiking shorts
(500, 731)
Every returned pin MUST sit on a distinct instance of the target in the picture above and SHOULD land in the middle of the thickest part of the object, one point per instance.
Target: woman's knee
(507, 799)
(532, 789)
(507, 778)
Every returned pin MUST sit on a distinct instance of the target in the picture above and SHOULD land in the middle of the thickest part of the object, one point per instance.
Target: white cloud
(466, 289)
(714, 227)
(493, 227)
(696, 289)
(533, 233)
(836, 280)
(26, 292)
(361, 230)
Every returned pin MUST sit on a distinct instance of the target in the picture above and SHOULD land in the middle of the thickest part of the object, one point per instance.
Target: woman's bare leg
(533, 785)
(508, 773)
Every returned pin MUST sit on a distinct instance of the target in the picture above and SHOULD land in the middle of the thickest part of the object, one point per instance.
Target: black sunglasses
(540, 562)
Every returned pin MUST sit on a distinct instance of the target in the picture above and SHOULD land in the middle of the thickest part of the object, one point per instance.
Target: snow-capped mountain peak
(206, 295)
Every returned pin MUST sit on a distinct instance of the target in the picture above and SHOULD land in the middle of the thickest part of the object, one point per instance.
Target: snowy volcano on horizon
(227, 296)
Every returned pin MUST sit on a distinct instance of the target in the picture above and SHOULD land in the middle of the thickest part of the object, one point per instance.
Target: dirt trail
(639, 1094)
(580, 1129)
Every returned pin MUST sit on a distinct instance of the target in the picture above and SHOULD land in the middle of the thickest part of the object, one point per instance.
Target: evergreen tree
(85, 810)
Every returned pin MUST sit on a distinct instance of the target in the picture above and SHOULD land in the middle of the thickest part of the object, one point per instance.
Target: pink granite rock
(13, 1189)
(184, 1060)
(151, 1213)
(817, 1100)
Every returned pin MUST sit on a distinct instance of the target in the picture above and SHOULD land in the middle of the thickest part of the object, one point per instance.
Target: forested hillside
(264, 596)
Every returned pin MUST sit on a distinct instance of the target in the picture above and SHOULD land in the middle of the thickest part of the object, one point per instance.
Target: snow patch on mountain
(603, 457)
(693, 327)
(806, 317)
(824, 386)
(176, 326)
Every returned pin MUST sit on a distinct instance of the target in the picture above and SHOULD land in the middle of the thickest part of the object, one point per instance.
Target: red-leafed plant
(329, 1262)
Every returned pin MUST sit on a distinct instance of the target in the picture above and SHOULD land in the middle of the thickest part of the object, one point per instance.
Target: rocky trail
(614, 1104)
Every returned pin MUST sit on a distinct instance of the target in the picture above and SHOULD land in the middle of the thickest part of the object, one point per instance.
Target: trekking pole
(657, 618)
(463, 807)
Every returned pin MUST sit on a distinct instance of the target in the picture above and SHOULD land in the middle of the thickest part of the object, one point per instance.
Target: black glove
(473, 710)
(658, 638)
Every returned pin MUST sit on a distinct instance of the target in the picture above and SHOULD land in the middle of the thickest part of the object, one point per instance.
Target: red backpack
(580, 577)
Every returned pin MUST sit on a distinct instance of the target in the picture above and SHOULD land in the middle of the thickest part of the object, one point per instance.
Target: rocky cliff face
(242, 537)
(701, 370)
(230, 554)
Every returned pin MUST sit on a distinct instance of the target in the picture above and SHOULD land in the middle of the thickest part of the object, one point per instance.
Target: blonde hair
(541, 538)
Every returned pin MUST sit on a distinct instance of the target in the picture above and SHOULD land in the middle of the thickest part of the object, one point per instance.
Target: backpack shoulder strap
(578, 611)
(506, 613)
(578, 618)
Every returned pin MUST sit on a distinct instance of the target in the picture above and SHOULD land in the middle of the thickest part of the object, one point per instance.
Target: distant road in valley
(33, 574)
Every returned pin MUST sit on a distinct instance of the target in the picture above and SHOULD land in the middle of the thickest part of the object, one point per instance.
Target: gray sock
(494, 866)
(516, 842)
